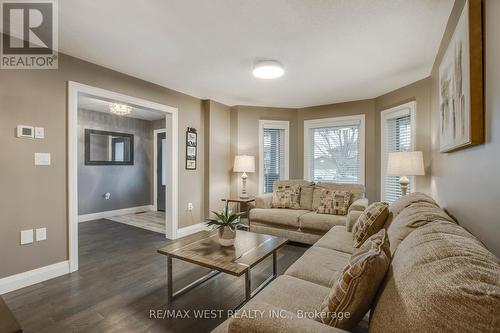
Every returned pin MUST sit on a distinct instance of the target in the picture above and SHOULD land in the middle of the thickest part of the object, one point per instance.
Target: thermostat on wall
(24, 131)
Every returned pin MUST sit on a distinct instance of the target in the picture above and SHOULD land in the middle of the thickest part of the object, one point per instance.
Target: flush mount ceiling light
(268, 69)
(120, 109)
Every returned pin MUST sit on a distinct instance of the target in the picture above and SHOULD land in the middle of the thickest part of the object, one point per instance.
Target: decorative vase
(226, 236)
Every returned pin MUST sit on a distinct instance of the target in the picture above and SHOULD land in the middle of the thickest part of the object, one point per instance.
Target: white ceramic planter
(226, 236)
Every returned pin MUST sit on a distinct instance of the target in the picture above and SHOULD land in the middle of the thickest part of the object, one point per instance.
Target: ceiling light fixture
(268, 69)
(120, 109)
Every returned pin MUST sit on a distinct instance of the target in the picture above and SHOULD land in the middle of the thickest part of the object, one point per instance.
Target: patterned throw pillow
(286, 196)
(369, 222)
(334, 202)
(354, 290)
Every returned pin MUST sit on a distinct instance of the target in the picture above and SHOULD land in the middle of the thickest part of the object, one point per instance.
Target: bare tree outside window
(335, 155)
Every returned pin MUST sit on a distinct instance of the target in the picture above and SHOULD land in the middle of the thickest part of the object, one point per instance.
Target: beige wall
(420, 92)
(218, 156)
(34, 197)
(245, 140)
(467, 182)
(245, 132)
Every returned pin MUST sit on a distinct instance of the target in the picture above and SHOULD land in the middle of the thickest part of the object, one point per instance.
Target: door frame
(155, 168)
(74, 89)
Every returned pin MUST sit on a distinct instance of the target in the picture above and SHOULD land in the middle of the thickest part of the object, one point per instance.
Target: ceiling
(332, 50)
(95, 104)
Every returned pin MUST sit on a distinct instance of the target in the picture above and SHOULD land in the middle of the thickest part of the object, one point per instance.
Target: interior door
(161, 170)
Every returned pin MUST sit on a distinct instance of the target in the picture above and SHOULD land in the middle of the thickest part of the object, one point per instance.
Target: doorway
(75, 91)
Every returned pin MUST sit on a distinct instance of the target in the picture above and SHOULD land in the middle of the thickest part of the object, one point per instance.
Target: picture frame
(191, 148)
(461, 105)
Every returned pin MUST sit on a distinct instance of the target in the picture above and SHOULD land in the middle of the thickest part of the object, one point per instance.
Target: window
(334, 150)
(397, 134)
(273, 153)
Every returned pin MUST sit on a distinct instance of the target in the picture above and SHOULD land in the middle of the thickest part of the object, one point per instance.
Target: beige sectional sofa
(441, 279)
(304, 225)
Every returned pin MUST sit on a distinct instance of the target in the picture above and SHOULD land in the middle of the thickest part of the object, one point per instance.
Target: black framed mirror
(108, 148)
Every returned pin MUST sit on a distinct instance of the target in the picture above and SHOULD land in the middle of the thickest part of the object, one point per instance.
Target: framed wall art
(461, 118)
(191, 148)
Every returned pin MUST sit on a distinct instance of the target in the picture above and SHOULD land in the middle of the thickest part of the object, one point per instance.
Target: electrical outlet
(190, 206)
(41, 234)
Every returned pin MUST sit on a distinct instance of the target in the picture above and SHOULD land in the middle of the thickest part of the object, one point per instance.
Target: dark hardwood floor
(122, 279)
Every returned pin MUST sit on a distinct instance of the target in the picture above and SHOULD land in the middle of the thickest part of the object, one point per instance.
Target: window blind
(273, 156)
(335, 154)
(398, 138)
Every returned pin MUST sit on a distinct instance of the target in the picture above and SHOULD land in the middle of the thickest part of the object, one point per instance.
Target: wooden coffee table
(203, 249)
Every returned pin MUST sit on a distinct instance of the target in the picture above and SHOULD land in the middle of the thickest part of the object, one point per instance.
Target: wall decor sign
(461, 118)
(191, 148)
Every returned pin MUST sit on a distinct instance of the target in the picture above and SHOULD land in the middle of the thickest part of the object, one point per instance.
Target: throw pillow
(286, 196)
(354, 290)
(334, 202)
(369, 222)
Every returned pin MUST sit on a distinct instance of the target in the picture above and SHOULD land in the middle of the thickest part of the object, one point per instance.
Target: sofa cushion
(338, 239)
(355, 289)
(401, 203)
(290, 233)
(312, 221)
(269, 318)
(306, 196)
(357, 191)
(319, 265)
(441, 279)
(290, 182)
(334, 202)
(370, 222)
(292, 294)
(286, 196)
(412, 217)
(275, 216)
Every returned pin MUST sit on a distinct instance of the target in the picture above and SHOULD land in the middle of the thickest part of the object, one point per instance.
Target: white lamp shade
(244, 163)
(408, 163)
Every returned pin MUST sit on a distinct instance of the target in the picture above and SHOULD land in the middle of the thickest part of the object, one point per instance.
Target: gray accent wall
(129, 185)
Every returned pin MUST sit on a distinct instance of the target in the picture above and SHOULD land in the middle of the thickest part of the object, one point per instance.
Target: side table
(240, 201)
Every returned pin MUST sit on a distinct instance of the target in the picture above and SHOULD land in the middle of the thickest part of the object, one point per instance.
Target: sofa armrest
(263, 317)
(359, 205)
(351, 219)
(263, 200)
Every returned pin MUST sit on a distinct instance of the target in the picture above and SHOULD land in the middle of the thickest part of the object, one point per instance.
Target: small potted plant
(226, 222)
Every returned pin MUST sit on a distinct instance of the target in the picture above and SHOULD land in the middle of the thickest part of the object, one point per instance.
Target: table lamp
(244, 163)
(404, 164)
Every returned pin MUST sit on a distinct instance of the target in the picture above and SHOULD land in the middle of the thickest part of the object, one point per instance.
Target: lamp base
(404, 182)
(244, 194)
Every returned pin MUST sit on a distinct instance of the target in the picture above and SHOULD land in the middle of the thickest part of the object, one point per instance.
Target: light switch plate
(26, 236)
(41, 234)
(42, 158)
(39, 133)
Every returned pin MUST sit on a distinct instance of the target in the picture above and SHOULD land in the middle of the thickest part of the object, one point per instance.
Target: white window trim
(273, 124)
(330, 122)
(397, 111)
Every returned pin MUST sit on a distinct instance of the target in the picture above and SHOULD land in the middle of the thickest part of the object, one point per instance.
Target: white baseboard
(109, 213)
(191, 229)
(21, 280)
